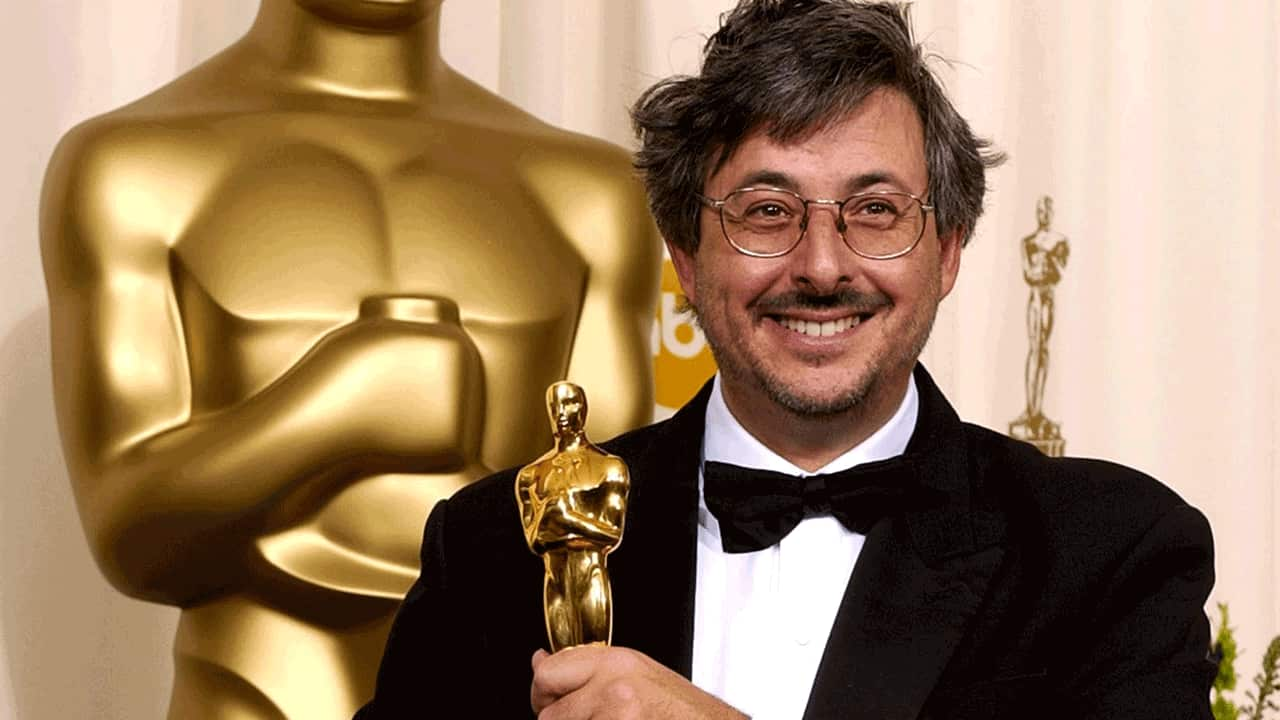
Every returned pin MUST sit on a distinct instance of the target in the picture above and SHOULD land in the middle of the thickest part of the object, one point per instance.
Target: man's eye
(877, 207)
(768, 211)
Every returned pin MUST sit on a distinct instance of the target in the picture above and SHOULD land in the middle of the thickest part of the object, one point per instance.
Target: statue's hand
(403, 390)
(1061, 252)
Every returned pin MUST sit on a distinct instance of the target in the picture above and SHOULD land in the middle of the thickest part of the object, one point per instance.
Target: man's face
(882, 310)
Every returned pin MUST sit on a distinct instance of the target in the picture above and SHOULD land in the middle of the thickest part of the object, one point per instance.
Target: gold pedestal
(1052, 448)
(1041, 432)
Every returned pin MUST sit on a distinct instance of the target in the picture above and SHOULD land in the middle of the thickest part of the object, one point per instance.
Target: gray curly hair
(790, 67)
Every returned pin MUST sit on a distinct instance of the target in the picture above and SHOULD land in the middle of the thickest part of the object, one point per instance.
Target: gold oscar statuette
(1044, 255)
(572, 502)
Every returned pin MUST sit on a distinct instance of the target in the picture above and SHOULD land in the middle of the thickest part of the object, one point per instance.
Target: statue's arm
(618, 481)
(607, 218)
(528, 505)
(169, 496)
(1030, 252)
(1062, 250)
(563, 518)
(565, 522)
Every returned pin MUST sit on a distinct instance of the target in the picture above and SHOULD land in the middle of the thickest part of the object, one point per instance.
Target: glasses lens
(882, 223)
(764, 222)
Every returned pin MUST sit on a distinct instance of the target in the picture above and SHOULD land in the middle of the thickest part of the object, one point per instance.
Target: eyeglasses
(770, 222)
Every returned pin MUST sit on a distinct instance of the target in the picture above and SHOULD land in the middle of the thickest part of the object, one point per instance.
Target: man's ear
(683, 261)
(949, 247)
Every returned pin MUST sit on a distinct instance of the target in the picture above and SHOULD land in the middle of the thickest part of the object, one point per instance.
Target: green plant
(1224, 648)
(1266, 683)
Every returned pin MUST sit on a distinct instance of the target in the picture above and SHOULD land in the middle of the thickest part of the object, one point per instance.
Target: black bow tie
(757, 508)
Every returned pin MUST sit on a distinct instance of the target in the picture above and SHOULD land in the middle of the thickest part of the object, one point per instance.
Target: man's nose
(823, 262)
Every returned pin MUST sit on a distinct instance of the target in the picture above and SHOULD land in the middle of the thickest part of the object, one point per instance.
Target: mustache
(854, 301)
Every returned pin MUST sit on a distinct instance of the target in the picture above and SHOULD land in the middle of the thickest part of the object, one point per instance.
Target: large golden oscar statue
(300, 294)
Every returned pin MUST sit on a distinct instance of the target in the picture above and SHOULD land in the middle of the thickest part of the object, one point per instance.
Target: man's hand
(594, 682)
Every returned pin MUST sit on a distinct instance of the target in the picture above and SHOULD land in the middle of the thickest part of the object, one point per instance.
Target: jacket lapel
(918, 581)
(653, 570)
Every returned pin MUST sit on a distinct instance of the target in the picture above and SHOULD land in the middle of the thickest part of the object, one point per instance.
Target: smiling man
(817, 534)
(817, 309)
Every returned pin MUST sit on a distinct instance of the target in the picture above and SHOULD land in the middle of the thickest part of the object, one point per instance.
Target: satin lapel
(653, 570)
(918, 581)
(900, 620)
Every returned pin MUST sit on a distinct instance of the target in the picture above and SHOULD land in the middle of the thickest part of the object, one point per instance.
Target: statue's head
(567, 405)
(371, 14)
(1044, 212)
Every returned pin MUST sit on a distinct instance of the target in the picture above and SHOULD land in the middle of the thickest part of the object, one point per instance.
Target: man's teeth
(820, 329)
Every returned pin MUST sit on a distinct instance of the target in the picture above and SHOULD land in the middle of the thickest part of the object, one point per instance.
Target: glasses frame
(718, 205)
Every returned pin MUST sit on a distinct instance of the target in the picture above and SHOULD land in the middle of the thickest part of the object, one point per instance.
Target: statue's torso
(280, 224)
(1041, 267)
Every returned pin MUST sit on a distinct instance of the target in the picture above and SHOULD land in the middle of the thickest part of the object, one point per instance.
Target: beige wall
(70, 645)
(1153, 126)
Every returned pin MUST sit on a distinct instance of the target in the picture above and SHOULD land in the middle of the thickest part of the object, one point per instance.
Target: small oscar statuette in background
(572, 502)
(1044, 255)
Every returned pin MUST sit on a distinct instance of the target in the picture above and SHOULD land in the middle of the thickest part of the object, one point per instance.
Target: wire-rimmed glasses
(769, 222)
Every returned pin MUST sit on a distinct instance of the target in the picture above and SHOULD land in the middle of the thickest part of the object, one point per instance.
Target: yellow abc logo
(682, 360)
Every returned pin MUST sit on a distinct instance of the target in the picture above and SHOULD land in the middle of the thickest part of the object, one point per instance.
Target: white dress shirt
(761, 619)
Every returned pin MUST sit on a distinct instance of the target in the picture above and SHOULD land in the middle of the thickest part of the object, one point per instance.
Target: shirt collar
(725, 440)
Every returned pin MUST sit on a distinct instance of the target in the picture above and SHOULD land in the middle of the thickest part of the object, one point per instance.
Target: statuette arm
(562, 521)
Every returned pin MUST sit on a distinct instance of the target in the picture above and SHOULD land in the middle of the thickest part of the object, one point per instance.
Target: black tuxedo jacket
(1043, 588)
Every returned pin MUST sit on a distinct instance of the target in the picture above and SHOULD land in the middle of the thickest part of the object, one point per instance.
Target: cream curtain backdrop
(1153, 125)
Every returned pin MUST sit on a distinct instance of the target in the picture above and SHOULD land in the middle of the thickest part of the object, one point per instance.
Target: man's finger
(577, 705)
(562, 673)
(538, 699)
